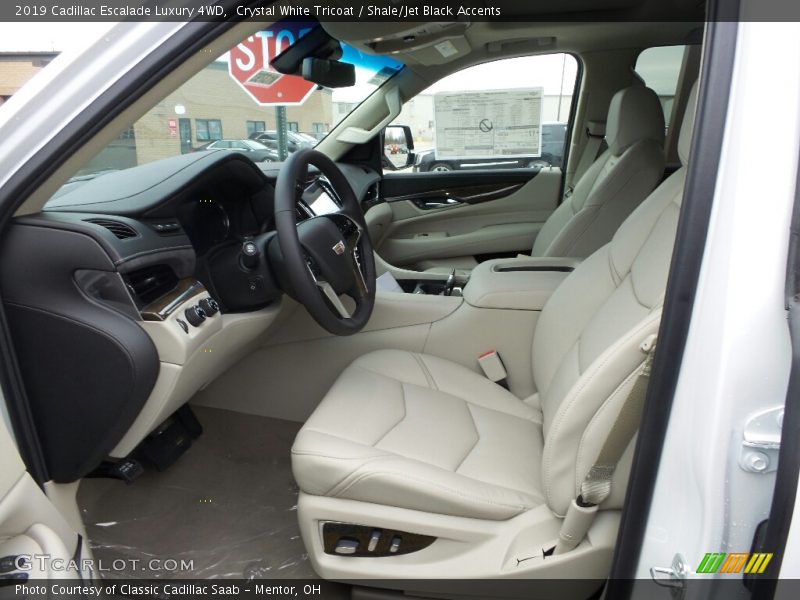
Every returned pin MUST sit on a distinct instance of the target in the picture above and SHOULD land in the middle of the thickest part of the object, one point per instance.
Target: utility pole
(282, 127)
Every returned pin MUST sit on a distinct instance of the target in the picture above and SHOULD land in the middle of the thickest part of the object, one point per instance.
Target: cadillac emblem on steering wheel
(338, 247)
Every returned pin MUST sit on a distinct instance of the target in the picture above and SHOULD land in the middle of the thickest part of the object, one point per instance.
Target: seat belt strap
(595, 132)
(596, 486)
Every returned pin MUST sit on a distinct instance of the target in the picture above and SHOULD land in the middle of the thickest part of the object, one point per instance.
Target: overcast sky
(28, 37)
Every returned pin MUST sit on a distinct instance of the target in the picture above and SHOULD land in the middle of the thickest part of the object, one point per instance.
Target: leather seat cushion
(420, 432)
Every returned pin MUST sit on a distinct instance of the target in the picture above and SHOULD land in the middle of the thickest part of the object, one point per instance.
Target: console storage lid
(523, 283)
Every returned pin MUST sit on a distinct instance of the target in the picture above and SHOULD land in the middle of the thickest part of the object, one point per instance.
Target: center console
(450, 286)
(522, 283)
(517, 283)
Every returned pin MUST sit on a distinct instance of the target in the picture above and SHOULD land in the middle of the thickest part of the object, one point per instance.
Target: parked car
(553, 140)
(254, 150)
(398, 149)
(306, 137)
(294, 140)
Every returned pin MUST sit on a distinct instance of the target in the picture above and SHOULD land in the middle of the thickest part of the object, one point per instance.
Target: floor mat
(228, 507)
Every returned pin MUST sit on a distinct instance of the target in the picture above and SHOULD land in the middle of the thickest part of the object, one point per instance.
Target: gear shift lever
(450, 283)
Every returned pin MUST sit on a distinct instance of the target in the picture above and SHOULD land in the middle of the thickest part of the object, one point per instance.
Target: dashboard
(118, 290)
(190, 215)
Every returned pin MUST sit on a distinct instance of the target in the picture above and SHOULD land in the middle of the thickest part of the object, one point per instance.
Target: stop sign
(249, 66)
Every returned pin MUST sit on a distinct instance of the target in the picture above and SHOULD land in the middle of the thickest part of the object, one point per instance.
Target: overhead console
(425, 43)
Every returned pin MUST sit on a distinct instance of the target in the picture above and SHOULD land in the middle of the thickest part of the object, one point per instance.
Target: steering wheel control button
(250, 255)
(183, 325)
(395, 545)
(374, 538)
(209, 306)
(346, 546)
(195, 315)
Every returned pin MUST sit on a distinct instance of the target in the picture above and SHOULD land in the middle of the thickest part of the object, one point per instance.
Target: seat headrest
(687, 127)
(634, 114)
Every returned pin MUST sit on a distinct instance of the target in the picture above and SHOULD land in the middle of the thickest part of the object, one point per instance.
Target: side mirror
(398, 147)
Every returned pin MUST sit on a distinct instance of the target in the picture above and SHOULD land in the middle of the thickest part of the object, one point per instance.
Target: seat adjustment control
(195, 315)
(350, 539)
(374, 538)
(12, 563)
(346, 546)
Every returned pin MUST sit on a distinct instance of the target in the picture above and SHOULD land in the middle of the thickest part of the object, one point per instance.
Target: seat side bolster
(419, 486)
(577, 409)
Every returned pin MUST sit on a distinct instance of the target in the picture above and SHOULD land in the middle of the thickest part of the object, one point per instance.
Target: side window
(508, 114)
(318, 130)
(208, 129)
(254, 127)
(660, 68)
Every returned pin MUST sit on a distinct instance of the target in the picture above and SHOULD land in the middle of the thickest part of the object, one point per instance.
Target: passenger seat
(613, 186)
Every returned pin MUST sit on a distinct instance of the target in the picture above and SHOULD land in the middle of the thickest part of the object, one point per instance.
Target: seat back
(586, 349)
(617, 181)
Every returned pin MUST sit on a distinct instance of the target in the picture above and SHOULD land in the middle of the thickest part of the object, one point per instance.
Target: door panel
(29, 523)
(447, 219)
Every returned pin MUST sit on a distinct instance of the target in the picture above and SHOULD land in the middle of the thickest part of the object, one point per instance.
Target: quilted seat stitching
(403, 418)
(364, 460)
(365, 476)
(425, 371)
(477, 438)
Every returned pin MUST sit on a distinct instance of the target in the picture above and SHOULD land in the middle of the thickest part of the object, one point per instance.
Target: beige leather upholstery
(613, 186)
(517, 283)
(423, 433)
(417, 432)
(617, 181)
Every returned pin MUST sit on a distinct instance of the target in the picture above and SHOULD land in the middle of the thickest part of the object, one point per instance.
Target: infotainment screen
(324, 204)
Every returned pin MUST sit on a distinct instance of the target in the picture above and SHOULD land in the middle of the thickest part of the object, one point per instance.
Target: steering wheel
(328, 255)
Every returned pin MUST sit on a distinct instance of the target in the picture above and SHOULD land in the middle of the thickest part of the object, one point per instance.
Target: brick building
(213, 106)
(16, 68)
(209, 106)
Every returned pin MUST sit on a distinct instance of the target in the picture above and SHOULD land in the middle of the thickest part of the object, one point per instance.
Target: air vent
(119, 229)
(150, 283)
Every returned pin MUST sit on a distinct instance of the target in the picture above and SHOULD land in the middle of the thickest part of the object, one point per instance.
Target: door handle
(429, 204)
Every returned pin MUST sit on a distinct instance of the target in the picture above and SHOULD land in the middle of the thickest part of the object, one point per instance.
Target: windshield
(239, 102)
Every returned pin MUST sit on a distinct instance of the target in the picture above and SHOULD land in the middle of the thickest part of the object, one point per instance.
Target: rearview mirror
(398, 146)
(329, 73)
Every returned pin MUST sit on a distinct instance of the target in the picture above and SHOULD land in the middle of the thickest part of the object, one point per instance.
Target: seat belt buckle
(575, 526)
(493, 367)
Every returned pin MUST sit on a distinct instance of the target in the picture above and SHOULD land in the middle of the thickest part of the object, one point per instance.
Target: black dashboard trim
(147, 186)
(88, 368)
